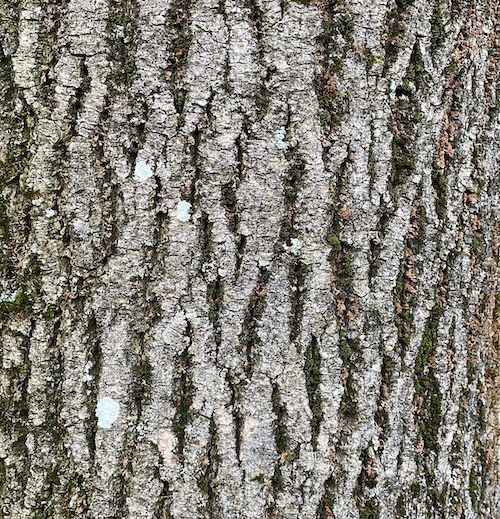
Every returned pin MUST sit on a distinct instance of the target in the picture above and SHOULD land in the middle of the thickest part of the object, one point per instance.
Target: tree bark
(249, 255)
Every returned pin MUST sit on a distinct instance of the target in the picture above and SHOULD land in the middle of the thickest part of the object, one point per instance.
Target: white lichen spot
(182, 212)
(78, 225)
(107, 412)
(295, 246)
(280, 135)
(142, 171)
(35, 248)
(49, 213)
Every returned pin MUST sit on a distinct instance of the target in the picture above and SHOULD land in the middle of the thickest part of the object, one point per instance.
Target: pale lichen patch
(142, 171)
(107, 412)
(295, 245)
(281, 143)
(182, 211)
(35, 248)
(79, 225)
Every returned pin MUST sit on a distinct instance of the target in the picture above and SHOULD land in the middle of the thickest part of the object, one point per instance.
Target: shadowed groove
(312, 370)
(183, 393)
(249, 337)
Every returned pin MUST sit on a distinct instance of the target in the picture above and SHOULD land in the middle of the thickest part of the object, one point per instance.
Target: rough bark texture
(249, 255)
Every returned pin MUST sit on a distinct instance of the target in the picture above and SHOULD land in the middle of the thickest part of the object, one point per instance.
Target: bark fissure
(183, 394)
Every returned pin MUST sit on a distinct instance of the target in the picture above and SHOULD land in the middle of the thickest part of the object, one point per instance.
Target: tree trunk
(249, 256)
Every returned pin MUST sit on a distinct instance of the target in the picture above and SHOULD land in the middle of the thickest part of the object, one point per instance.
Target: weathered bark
(249, 258)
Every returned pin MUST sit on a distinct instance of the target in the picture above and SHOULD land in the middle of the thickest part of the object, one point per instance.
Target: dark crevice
(263, 96)
(140, 355)
(408, 280)
(312, 369)
(438, 34)
(190, 192)
(137, 131)
(164, 502)
(427, 390)
(215, 297)
(367, 505)
(110, 222)
(236, 413)
(61, 147)
(205, 240)
(77, 99)
(480, 475)
(207, 482)
(279, 410)
(406, 116)
(446, 160)
(239, 156)
(9, 26)
(142, 372)
(428, 398)
(51, 433)
(338, 252)
(277, 485)
(240, 248)
(343, 274)
(121, 44)
(385, 213)
(214, 282)
(160, 233)
(149, 309)
(325, 507)
(249, 338)
(183, 390)
(372, 157)
(298, 270)
(375, 261)
(229, 199)
(179, 29)
(120, 485)
(350, 354)
(17, 122)
(387, 378)
(93, 357)
(221, 9)
(109, 194)
(291, 188)
(396, 23)
(334, 43)
(263, 90)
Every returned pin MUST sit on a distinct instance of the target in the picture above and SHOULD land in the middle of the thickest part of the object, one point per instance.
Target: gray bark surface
(249, 259)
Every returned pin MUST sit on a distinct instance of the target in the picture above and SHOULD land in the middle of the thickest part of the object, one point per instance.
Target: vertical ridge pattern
(249, 255)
